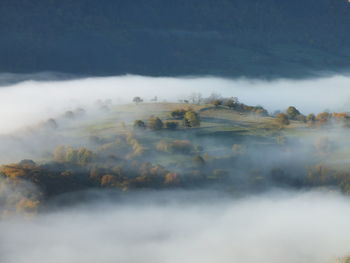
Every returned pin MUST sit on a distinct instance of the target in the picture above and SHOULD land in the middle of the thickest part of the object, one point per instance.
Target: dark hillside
(253, 38)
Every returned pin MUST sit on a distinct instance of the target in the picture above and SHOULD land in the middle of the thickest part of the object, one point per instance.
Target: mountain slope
(257, 38)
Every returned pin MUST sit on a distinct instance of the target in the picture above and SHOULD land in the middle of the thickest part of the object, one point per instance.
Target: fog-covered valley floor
(180, 226)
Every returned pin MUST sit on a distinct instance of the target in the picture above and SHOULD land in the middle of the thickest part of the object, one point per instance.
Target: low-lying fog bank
(177, 227)
(31, 101)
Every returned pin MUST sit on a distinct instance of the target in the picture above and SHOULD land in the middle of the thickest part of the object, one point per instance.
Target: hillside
(251, 38)
(228, 146)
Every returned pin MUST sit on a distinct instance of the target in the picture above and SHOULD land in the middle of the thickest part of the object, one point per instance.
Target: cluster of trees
(234, 104)
(177, 146)
(154, 123)
(322, 118)
(189, 118)
(80, 156)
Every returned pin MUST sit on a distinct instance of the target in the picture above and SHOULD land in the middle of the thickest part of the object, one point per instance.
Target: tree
(261, 111)
(213, 97)
(311, 117)
(323, 117)
(282, 119)
(155, 123)
(137, 100)
(138, 124)
(191, 119)
(217, 102)
(196, 98)
(231, 102)
(292, 112)
(84, 156)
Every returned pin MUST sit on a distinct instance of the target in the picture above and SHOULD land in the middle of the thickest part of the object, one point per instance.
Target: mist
(29, 102)
(174, 227)
(248, 205)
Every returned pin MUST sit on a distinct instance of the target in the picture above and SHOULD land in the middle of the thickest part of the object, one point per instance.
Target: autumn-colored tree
(171, 179)
(282, 118)
(217, 102)
(108, 180)
(323, 117)
(191, 119)
(311, 118)
(292, 112)
(154, 123)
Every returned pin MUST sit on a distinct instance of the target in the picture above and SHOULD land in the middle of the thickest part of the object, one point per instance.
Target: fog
(177, 227)
(29, 102)
(247, 221)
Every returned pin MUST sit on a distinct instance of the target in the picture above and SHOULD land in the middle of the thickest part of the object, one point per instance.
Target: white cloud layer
(286, 227)
(29, 102)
